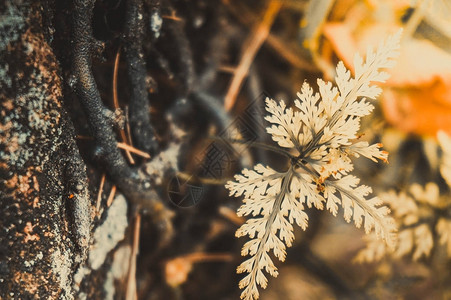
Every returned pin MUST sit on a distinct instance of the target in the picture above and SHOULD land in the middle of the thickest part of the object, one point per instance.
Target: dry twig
(116, 104)
(250, 49)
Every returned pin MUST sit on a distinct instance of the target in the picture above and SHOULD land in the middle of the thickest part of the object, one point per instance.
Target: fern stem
(255, 144)
(312, 172)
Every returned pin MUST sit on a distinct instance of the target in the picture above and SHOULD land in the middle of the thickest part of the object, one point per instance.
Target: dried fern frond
(319, 136)
(420, 214)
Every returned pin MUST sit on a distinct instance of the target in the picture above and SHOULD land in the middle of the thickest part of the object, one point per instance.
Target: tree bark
(46, 209)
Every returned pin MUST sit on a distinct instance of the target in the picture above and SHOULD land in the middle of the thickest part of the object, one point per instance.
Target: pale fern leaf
(311, 114)
(423, 240)
(344, 81)
(344, 130)
(303, 186)
(318, 153)
(372, 152)
(429, 194)
(295, 211)
(286, 230)
(330, 101)
(375, 249)
(444, 231)
(405, 243)
(257, 181)
(332, 200)
(358, 109)
(253, 227)
(284, 131)
(404, 207)
(357, 206)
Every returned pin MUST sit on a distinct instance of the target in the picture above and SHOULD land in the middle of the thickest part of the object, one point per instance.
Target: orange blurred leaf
(420, 99)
